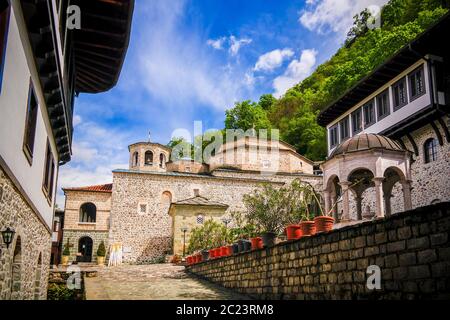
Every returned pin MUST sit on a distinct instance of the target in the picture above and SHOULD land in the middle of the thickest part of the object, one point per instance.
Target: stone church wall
(146, 236)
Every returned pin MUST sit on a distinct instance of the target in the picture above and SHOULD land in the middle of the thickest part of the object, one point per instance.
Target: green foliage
(66, 251)
(242, 229)
(247, 115)
(101, 251)
(210, 235)
(295, 113)
(59, 291)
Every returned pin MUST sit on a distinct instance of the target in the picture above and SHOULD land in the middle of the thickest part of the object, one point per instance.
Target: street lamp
(8, 236)
(184, 230)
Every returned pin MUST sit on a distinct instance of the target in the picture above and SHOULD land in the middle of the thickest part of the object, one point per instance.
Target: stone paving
(152, 282)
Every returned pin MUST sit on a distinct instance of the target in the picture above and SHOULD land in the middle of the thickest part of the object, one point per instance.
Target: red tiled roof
(98, 188)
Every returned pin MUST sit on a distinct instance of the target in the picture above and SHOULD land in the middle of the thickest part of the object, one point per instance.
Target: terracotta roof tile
(200, 201)
(97, 188)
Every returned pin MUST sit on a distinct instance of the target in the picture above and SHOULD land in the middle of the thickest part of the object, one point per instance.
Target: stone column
(407, 194)
(345, 200)
(326, 196)
(387, 203)
(334, 213)
(379, 210)
(358, 199)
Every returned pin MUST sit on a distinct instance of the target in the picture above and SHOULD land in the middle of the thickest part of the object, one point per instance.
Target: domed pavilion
(361, 162)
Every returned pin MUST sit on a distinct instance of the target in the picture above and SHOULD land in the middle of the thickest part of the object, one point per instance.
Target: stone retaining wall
(411, 248)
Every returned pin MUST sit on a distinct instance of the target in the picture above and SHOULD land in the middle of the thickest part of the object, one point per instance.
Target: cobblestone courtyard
(152, 282)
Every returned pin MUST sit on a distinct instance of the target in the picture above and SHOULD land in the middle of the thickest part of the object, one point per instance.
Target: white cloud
(76, 120)
(217, 44)
(175, 68)
(236, 44)
(323, 16)
(273, 59)
(295, 72)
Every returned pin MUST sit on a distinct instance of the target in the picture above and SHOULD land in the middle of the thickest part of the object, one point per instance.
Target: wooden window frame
(394, 86)
(388, 106)
(411, 77)
(334, 128)
(27, 149)
(354, 130)
(374, 117)
(49, 173)
(343, 137)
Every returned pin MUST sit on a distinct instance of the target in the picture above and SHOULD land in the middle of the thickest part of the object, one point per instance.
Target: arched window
(88, 212)
(162, 160)
(430, 150)
(148, 158)
(135, 158)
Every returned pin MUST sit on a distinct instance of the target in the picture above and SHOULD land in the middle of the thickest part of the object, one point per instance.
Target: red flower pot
(224, 251)
(212, 254)
(189, 260)
(256, 243)
(293, 232)
(198, 258)
(218, 252)
(308, 228)
(323, 223)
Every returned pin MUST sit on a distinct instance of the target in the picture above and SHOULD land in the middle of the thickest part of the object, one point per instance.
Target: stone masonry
(411, 248)
(148, 236)
(24, 266)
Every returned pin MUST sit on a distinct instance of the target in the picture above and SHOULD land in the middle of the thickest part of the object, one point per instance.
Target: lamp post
(8, 236)
(184, 230)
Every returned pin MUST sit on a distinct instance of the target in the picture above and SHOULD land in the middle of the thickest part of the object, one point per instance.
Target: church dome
(366, 141)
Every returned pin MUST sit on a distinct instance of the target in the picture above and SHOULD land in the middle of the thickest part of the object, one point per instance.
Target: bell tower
(148, 156)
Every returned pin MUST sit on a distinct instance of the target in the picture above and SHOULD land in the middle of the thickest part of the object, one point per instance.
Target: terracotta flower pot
(323, 223)
(218, 252)
(268, 239)
(224, 251)
(293, 232)
(212, 254)
(189, 260)
(256, 243)
(198, 257)
(307, 228)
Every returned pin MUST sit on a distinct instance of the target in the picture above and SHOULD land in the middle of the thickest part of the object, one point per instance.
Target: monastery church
(147, 205)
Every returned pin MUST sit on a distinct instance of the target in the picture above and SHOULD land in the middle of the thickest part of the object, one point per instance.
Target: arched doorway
(85, 249)
(396, 187)
(16, 272)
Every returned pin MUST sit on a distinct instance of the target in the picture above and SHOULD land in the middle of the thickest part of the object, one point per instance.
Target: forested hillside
(295, 113)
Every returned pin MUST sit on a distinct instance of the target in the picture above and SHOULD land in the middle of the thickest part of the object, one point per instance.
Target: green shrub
(101, 251)
(66, 251)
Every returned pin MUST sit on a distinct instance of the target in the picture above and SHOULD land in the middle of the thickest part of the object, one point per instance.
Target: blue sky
(191, 60)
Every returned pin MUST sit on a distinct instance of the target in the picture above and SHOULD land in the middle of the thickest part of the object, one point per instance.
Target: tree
(266, 101)
(246, 115)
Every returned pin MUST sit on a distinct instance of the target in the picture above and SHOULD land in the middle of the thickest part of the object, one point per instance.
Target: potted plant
(266, 210)
(66, 254)
(295, 207)
(257, 243)
(101, 253)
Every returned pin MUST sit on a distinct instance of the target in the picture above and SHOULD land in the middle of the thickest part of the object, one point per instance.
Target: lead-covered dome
(366, 141)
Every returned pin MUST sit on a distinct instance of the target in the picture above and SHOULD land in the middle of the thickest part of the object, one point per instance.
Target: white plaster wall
(19, 68)
(394, 116)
